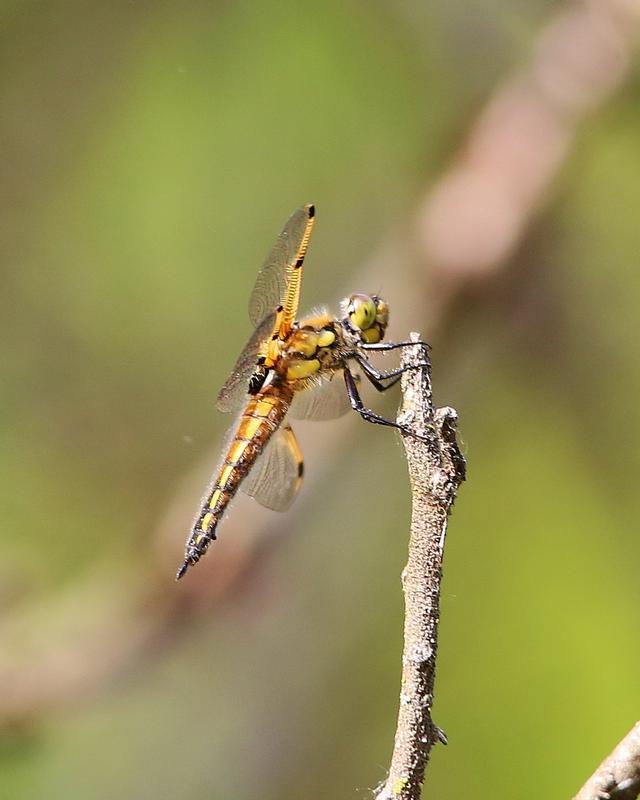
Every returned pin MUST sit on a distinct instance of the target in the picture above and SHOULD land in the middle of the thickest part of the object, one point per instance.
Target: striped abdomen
(259, 421)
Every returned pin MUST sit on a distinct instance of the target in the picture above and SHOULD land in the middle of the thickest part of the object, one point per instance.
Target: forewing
(234, 391)
(328, 399)
(276, 476)
(276, 273)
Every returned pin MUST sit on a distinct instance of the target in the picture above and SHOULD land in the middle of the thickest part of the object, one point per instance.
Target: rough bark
(436, 470)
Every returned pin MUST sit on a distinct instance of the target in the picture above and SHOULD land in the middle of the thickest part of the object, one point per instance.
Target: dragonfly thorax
(308, 349)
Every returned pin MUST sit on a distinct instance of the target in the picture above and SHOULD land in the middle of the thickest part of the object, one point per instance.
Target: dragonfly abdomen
(259, 421)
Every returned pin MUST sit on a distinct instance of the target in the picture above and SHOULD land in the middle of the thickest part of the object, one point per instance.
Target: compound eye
(362, 311)
(382, 312)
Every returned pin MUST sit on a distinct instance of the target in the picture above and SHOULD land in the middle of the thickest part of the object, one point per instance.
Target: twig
(618, 777)
(436, 470)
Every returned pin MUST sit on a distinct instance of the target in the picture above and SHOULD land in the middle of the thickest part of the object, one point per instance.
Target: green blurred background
(150, 154)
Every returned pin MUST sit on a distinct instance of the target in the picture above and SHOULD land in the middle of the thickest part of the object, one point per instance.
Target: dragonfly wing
(326, 400)
(234, 391)
(276, 476)
(278, 282)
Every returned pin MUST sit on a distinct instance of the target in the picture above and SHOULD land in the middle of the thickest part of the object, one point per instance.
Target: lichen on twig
(436, 470)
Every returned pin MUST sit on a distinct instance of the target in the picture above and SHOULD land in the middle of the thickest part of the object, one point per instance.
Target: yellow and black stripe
(259, 421)
(292, 295)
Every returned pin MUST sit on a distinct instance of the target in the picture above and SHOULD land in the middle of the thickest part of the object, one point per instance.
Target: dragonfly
(290, 369)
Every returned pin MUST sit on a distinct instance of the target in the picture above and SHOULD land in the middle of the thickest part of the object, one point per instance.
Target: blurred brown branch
(436, 470)
(618, 777)
(476, 214)
(469, 224)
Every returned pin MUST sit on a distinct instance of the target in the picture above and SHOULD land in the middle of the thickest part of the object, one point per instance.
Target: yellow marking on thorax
(326, 338)
(304, 342)
(302, 368)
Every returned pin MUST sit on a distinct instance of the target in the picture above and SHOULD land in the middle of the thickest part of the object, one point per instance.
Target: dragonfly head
(368, 315)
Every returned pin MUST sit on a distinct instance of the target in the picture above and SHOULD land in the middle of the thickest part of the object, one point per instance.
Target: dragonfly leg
(376, 377)
(367, 414)
(386, 346)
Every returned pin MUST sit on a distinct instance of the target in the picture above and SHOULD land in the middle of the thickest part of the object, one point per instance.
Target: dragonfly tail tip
(183, 569)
